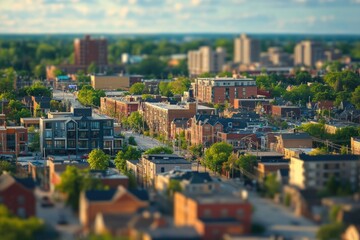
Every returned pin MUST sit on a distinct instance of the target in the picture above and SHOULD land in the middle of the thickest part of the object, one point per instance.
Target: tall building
(221, 89)
(246, 50)
(89, 50)
(206, 60)
(77, 132)
(307, 53)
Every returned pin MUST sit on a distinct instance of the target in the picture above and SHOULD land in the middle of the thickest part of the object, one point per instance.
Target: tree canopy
(217, 155)
(98, 160)
(159, 150)
(137, 88)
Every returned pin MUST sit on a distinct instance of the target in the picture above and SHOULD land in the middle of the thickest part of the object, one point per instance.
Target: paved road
(51, 216)
(66, 96)
(143, 142)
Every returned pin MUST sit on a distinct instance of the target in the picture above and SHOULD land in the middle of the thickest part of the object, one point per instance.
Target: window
(240, 213)
(107, 144)
(60, 125)
(207, 213)
(21, 212)
(48, 125)
(71, 126)
(71, 134)
(162, 169)
(83, 135)
(48, 134)
(21, 199)
(108, 123)
(94, 144)
(95, 134)
(83, 144)
(48, 143)
(224, 213)
(71, 144)
(60, 144)
(95, 125)
(83, 125)
(108, 132)
(117, 144)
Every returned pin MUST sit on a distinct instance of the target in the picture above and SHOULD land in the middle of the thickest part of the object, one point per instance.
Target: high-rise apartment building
(206, 60)
(89, 50)
(307, 53)
(246, 50)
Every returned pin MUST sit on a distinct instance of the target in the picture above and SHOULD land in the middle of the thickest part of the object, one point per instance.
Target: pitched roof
(141, 194)
(289, 136)
(100, 195)
(6, 180)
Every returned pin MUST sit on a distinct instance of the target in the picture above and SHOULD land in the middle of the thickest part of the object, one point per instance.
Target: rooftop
(327, 157)
(289, 136)
(176, 106)
(165, 159)
(219, 197)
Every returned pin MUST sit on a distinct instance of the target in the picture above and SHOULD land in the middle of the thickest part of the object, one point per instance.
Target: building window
(240, 213)
(83, 144)
(94, 144)
(48, 134)
(224, 213)
(60, 144)
(83, 135)
(21, 212)
(207, 213)
(108, 132)
(71, 144)
(95, 125)
(48, 125)
(83, 125)
(71, 126)
(162, 169)
(71, 134)
(95, 134)
(21, 200)
(48, 143)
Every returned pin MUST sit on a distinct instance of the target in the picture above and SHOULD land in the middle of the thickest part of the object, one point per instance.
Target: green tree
(302, 77)
(225, 74)
(92, 68)
(196, 150)
(207, 75)
(247, 162)
(355, 97)
(7, 77)
(7, 167)
(128, 153)
(331, 231)
(137, 88)
(174, 186)
(73, 181)
(217, 155)
(135, 121)
(272, 186)
(38, 89)
(98, 160)
(164, 89)
(12, 227)
(40, 71)
(159, 150)
(132, 141)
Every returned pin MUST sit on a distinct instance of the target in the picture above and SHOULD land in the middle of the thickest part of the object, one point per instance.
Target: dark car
(46, 202)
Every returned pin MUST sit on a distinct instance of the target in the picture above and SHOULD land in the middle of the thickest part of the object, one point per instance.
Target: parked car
(46, 202)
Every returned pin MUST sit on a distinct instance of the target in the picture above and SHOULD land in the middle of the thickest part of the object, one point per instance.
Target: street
(143, 142)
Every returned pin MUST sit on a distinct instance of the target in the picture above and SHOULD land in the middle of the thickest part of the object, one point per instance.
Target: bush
(132, 141)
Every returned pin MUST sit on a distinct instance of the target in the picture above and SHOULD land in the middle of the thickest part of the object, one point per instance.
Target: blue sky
(171, 16)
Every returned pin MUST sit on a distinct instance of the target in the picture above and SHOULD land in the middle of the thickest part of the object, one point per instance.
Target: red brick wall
(10, 198)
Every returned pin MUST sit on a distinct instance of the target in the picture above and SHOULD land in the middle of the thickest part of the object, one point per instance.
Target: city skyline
(189, 16)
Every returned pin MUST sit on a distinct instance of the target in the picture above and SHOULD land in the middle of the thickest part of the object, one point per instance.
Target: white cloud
(195, 2)
(178, 6)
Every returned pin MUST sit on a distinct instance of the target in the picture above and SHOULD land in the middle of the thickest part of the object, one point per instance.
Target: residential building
(213, 214)
(285, 111)
(78, 132)
(17, 194)
(293, 140)
(159, 116)
(190, 181)
(13, 140)
(30, 122)
(275, 57)
(355, 146)
(179, 126)
(246, 50)
(115, 201)
(87, 51)
(239, 139)
(221, 89)
(294, 152)
(352, 232)
(2, 119)
(152, 164)
(114, 82)
(250, 104)
(333, 127)
(204, 129)
(315, 171)
(205, 60)
(118, 107)
(307, 53)
(272, 166)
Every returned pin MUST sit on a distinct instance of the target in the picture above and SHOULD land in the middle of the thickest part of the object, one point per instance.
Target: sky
(180, 16)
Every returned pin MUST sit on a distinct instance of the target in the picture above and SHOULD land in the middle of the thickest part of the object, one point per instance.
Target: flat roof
(265, 154)
(176, 106)
(216, 197)
(227, 79)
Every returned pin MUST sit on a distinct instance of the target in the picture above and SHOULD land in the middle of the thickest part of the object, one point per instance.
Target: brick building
(116, 201)
(221, 89)
(87, 51)
(213, 214)
(13, 140)
(355, 146)
(239, 140)
(293, 140)
(249, 104)
(17, 194)
(118, 107)
(285, 111)
(113, 82)
(158, 116)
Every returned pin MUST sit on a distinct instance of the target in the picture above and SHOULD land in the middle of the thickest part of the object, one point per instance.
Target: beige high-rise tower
(246, 50)
(307, 53)
(206, 60)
